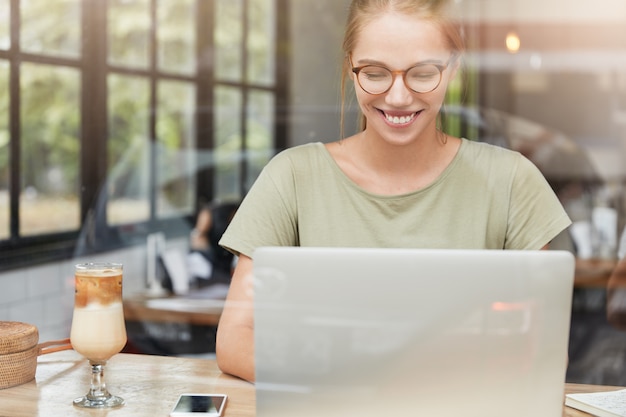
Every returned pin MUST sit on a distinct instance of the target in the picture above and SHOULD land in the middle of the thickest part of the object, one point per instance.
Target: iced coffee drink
(98, 330)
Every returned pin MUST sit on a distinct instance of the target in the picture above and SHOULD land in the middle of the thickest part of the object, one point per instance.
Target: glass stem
(98, 390)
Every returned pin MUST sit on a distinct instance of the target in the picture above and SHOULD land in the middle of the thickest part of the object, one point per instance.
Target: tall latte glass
(98, 330)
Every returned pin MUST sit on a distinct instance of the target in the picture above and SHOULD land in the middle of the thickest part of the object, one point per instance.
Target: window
(122, 117)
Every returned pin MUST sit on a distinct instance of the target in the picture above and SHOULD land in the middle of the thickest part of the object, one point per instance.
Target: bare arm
(235, 334)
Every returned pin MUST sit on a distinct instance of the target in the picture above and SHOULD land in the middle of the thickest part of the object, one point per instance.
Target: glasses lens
(375, 80)
(423, 78)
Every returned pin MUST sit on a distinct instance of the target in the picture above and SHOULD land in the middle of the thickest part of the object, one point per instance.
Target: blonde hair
(362, 12)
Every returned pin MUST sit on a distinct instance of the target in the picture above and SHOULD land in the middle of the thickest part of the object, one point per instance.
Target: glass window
(128, 149)
(129, 32)
(228, 142)
(176, 167)
(122, 117)
(177, 36)
(260, 131)
(50, 147)
(260, 48)
(228, 35)
(41, 31)
(5, 24)
(243, 148)
(5, 152)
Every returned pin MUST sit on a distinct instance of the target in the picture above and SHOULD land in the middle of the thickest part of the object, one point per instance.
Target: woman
(398, 183)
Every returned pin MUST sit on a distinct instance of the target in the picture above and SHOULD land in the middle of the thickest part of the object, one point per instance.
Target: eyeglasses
(422, 78)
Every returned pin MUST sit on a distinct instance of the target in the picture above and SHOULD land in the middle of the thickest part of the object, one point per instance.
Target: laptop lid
(371, 332)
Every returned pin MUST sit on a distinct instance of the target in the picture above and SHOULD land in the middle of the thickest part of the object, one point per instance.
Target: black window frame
(95, 235)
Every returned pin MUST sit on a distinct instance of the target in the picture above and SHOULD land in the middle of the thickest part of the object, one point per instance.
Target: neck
(415, 158)
(381, 167)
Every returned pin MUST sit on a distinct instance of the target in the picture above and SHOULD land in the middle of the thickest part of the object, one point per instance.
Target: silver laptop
(411, 332)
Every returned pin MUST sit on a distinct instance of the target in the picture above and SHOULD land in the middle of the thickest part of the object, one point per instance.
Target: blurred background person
(209, 263)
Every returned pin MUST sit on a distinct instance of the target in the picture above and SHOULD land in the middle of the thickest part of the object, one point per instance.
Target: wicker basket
(18, 345)
(19, 350)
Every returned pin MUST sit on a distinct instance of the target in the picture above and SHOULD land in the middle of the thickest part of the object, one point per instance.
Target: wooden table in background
(593, 272)
(171, 325)
(195, 311)
(149, 384)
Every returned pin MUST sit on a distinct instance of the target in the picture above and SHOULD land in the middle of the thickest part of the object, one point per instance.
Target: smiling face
(398, 42)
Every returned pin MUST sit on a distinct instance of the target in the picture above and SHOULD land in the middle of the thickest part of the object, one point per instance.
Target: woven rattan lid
(16, 336)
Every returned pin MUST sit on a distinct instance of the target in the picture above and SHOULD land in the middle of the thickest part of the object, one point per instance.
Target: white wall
(44, 295)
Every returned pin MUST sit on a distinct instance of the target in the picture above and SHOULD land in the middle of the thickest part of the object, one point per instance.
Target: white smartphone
(197, 405)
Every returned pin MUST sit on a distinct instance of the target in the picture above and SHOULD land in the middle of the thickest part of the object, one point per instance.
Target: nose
(398, 94)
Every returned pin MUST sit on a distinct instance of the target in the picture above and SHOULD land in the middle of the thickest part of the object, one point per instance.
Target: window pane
(177, 36)
(260, 132)
(5, 31)
(42, 31)
(228, 102)
(129, 33)
(176, 141)
(128, 150)
(228, 40)
(50, 122)
(5, 164)
(261, 41)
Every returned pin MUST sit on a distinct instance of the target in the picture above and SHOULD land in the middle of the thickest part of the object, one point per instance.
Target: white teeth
(399, 120)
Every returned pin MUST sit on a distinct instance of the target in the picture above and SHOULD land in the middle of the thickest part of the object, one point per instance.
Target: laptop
(411, 332)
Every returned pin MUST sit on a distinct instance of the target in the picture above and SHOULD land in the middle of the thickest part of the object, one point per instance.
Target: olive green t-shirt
(487, 198)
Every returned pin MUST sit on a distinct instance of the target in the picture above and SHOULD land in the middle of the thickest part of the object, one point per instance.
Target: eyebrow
(382, 64)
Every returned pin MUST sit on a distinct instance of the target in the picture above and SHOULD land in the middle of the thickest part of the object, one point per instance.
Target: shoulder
(497, 165)
(487, 156)
(300, 152)
(487, 150)
(298, 159)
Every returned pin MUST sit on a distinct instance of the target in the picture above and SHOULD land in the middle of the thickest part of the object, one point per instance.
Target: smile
(400, 120)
